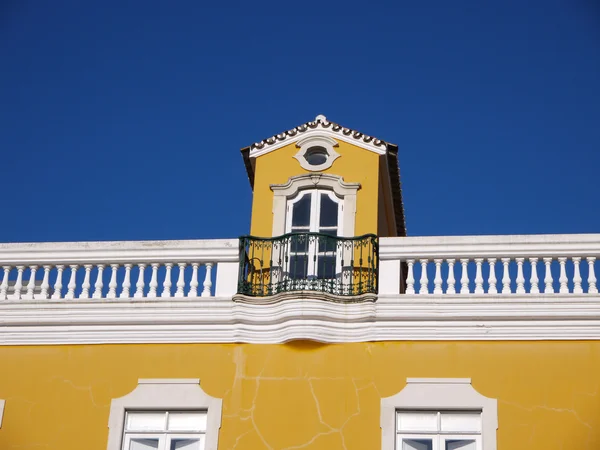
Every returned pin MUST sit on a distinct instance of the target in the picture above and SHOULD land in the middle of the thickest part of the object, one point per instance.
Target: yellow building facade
(350, 375)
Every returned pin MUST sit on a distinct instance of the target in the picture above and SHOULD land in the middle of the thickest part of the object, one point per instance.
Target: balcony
(301, 287)
(331, 265)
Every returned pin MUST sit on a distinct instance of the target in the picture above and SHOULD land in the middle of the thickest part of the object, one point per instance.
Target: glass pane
(187, 444)
(301, 212)
(146, 421)
(416, 444)
(462, 444)
(143, 444)
(299, 244)
(325, 267)
(187, 421)
(328, 244)
(417, 421)
(329, 212)
(298, 267)
(315, 156)
(461, 422)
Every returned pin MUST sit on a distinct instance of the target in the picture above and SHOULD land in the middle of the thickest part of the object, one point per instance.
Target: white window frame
(2, 403)
(438, 394)
(307, 143)
(165, 395)
(282, 193)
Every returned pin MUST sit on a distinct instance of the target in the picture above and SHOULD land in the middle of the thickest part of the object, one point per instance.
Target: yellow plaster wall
(302, 395)
(355, 165)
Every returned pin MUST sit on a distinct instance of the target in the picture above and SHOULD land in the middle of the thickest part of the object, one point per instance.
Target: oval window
(315, 156)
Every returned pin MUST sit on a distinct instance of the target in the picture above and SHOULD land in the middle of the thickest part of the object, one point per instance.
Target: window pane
(187, 421)
(315, 156)
(416, 444)
(142, 421)
(326, 243)
(325, 267)
(417, 421)
(463, 444)
(298, 267)
(461, 422)
(299, 244)
(187, 444)
(301, 212)
(143, 444)
(329, 212)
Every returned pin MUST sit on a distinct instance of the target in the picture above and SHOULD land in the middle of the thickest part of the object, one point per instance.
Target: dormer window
(316, 153)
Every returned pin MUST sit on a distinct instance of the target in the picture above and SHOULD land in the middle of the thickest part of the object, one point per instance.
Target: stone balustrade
(518, 264)
(118, 270)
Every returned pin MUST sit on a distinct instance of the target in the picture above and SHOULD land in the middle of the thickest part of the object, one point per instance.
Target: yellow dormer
(323, 194)
(353, 176)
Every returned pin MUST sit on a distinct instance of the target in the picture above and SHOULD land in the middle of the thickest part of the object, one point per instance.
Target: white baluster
(19, 283)
(194, 281)
(207, 280)
(592, 288)
(478, 276)
(153, 281)
(577, 289)
(112, 284)
(57, 294)
(167, 283)
(534, 277)
(563, 280)
(464, 276)
(505, 276)
(451, 281)
(45, 283)
(492, 289)
(180, 280)
(520, 277)
(4, 285)
(424, 281)
(410, 278)
(139, 285)
(85, 286)
(437, 281)
(99, 284)
(72, 285)
(548, 281)
(126, 282)
(31, 284)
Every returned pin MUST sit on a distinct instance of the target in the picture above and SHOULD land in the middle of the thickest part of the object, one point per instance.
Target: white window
(164, 430)
(165, 414)
(438, 414)
(316, 152)
(313, 211)
(438, 430)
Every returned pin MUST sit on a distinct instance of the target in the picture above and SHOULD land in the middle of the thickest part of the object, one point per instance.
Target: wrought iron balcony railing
(333, 265)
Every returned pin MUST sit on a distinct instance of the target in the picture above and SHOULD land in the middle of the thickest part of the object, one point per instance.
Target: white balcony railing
(124, 270)
(518, 264)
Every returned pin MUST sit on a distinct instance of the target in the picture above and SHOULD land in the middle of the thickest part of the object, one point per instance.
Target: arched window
(313, 256)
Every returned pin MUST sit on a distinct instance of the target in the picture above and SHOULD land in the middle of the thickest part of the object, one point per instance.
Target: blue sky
(123, 120)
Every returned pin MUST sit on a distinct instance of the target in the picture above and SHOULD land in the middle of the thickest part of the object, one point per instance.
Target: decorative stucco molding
(435, 394)
(221, 320)
(162, 395)
(347, 191)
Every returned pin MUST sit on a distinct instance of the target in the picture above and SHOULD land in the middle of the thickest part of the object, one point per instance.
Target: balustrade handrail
(95, 252)
(498, 246)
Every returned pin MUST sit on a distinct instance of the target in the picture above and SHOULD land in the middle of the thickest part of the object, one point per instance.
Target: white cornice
(220, 320)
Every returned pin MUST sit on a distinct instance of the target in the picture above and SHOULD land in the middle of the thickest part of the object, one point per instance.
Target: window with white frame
(165, 414)
(313, 211)
(165, 430)
(438, 430)
(438, 414)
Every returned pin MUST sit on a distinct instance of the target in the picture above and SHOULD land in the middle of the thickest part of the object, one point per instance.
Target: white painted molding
(221, 320)
(438, 394)
(164, 395)
(320, 131)
(2, 403)
(509, 246)
(316, 140)
(283, 192)
(217, 250)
